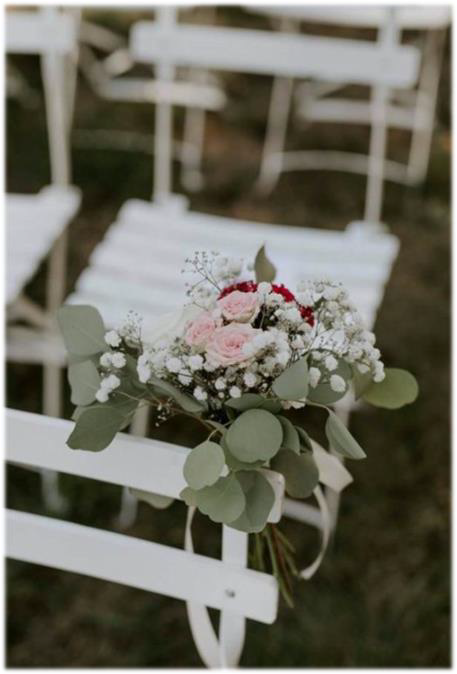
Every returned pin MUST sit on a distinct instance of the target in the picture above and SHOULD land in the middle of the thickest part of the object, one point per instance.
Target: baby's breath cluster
(243, 335)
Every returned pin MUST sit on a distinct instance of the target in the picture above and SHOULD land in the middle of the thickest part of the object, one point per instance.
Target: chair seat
(33, 223)
(137, 265)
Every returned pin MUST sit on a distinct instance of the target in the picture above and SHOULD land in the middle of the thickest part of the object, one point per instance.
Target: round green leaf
(84, 381)
(260, 498)
(245, 402)
(323, 392)
(397, 389)
(300, 472)
(82, 329)
(187, 402)
(254, 435)
(204, 465)
(223, 502)
(292, 384)
(291, 438)
(155, 500)
(189, 496)
(95, 428)
(341, 440)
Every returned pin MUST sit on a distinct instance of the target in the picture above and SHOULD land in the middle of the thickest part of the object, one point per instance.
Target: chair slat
(36, 32)
(264, 52)
(141, 564)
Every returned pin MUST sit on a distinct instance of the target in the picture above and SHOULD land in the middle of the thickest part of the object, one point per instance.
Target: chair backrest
(52, 35)
(167, 45)
(431, 17)
(227, 585)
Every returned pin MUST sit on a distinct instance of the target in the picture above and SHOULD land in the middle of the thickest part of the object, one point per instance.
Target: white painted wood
(37, 441)
(34, 223)
(427, 17)
(232, 627)
(141, 564)
(263, 52)
(137, 265)
(35, 32)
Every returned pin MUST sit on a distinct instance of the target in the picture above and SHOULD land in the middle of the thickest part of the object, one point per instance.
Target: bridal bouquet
(240, 355)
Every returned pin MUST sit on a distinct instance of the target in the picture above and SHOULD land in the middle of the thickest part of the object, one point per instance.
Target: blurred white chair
(228, 585)
(136, 266)
(36, 224)
(408, 108)
(197, 91)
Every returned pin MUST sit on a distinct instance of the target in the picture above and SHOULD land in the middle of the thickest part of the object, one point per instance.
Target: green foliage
(188, 403)
(235, 464)
(204, 465)
(292, 384)
(260, 498)
(189, 496)
(264, 268)
(305, 440)
(341, 440)
(84, 381)
(95, 428)
(323, 392)
(82, 329)
(223, 502)
(291, 439)
(249, 401)
(299, 470)
(254, 435)
(399, 388)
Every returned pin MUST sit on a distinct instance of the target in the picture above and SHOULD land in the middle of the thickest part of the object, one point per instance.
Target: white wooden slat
(148, 465)
(263, 52)
(33, 224)
(429, 17)
(141, 564)
(37, 32)
(351, 111)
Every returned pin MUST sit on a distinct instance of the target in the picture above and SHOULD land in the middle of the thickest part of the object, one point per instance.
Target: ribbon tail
(310, 570)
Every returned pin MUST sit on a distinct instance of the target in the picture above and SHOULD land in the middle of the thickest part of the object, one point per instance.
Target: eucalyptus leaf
(245, 402)
(255, 435)
(300, 472)
(361, 382)
(95, 428)
(82, 328)
(224, 501)
(204, 465)
(189, 496)
(399, 388)
(84, 381)
(341, 440)
(323, 392)
(291, 439)
(292, 384)
(305, 440)
(260, 498)
(263, 267)
(187, 402)
(250, 401)
(235, 464)
(155, 500)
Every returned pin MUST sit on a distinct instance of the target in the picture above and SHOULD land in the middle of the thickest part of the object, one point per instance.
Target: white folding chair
(137, 264)
(36, 441)
(37, 223)
(413, 111)
(197, 91)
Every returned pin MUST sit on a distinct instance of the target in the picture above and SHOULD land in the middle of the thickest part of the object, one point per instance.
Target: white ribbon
(215, 653)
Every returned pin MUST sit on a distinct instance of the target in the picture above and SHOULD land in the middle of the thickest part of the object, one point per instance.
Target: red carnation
(251, 287)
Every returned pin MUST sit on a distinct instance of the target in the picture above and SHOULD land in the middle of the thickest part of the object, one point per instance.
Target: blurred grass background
(381, 598)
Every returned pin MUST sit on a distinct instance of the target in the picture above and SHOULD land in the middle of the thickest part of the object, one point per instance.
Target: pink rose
(225, 347)
(200, 330)
(239, 306)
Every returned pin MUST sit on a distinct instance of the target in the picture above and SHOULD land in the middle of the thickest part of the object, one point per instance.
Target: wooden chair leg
(129, 503)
